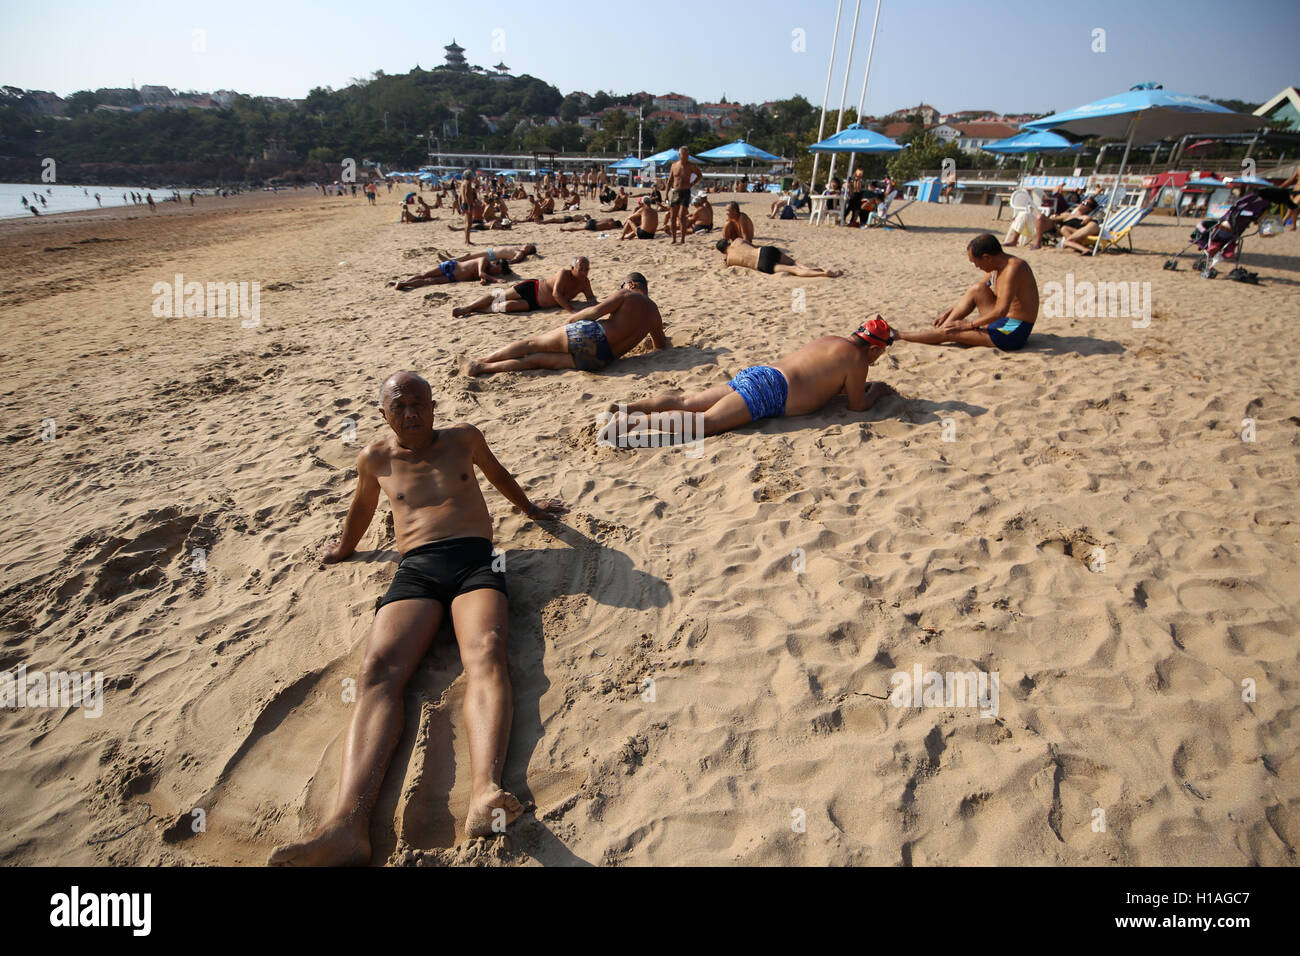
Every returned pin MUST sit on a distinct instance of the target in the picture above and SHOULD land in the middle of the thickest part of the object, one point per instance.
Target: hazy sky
(1003, 55)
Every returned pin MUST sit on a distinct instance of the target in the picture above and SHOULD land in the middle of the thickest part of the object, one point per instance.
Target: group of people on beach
(441, 522)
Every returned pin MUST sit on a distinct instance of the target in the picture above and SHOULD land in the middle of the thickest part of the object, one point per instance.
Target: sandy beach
(168, 535)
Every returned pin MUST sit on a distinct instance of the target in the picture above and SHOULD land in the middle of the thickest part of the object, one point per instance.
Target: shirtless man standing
(643, 223)
(769, 260)
(737, 224)
(797, 384)
(1007, 303)
(538, 293)
(444, 533)
(682, 175)
(468, 199)
(596, 337)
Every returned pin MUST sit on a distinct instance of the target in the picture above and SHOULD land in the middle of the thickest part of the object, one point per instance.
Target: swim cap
(875, 332)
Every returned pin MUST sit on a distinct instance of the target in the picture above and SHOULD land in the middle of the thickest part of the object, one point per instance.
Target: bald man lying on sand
(538, 293)
(797, 384)
(597, 336)
(1007, 302)
(444, 533)
(768, 259)
(511, 254)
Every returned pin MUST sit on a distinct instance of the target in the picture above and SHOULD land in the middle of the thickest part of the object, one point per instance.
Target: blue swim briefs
(1009, 335)
(764, 390)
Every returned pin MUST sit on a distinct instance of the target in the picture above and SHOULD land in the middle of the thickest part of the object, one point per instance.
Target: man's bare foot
(457, 312)
(331, 845)
(491, 813)
(468, 367)
(834, 273)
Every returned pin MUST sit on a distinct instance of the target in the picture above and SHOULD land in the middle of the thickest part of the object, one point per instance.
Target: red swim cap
(875, 332)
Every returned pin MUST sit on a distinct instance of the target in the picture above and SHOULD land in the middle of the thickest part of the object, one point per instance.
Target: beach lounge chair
(886, 215)
(1119, 226)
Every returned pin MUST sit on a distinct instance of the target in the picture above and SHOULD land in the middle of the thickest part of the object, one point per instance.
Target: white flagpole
(866, 73)
(826, 96)
(844, 91)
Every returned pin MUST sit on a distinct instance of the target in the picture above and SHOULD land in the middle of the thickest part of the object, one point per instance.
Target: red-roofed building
(974, 135)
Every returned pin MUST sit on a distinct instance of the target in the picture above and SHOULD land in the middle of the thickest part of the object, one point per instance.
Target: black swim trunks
(681, 197)
(590, 226)
(642, 234)
(444, 570)
(528, 292)
(768, 257)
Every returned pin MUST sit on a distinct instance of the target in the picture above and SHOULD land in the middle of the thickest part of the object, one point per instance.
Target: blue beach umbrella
(856, 138)
(1031, 141)
(1149, 111)
(629, 164)
(738, 150)
(668, 156)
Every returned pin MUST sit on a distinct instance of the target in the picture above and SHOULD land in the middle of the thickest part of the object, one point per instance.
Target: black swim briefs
(443, 570)
(768, 257)
(528, 292)
(681, 197)
(642, 234)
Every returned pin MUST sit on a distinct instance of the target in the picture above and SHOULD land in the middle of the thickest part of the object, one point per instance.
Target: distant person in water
(1005, 303)
(443, 531)
(555, 292)
(800, 383)
(596, 336)
(769, 260)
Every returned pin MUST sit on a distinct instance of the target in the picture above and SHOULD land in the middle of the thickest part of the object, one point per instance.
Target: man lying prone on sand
(532, 294)
(768, 259)
(444, 533)
(1007, 302)
(597, 336)
(796, 384)
(486, 271)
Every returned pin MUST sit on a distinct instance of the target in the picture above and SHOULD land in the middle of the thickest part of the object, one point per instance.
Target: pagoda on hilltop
(455, 56)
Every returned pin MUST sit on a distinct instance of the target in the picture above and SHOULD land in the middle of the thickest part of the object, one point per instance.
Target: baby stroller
(1222, 239)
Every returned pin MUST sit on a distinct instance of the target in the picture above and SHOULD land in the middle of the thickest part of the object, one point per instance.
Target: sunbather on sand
(595, 225)
(423, 212)
(619, 204)
(511, 254)
(643, 223)
(597, 336)
(532, 294)
(444, 533)
(768, 259)
(737, 224)
(800, 383)
(1007, 303)
(1078, 220)
(486, 271)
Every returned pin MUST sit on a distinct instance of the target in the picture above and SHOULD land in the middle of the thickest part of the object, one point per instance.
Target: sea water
(69, 198)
